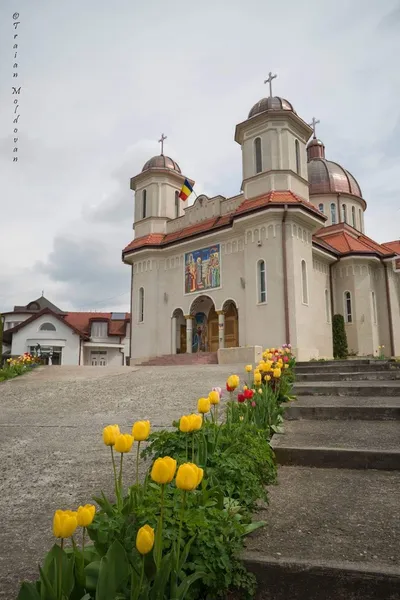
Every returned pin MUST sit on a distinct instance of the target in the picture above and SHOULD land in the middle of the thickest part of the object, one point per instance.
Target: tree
(340, 349)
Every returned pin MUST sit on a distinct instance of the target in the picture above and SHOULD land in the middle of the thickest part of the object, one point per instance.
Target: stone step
(202, 358)
(326, 363)
(389, 375)
(362, 408)
(344, 368)
(339, 444)
(330, 534)
(347, 388)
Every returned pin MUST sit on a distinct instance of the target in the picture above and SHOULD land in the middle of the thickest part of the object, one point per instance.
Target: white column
(221, 328)
(189, 333)
(173, 335)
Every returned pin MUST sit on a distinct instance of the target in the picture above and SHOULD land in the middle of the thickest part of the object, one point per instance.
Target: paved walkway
(51, 451)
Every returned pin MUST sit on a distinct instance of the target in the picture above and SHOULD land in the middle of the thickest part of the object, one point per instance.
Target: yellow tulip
(260, 391)
(277, 373)
(257, 378)
(163, 470)
(141, 430)
(268, 377)
(196, 422)
(85, 515)
(286, 366)
(65, 523)
(203, 405)
(184, 424)
(110, 434)
(145, 539)
(233, 381)
(213, 397)
(188, 477)
(248, 368)
(123, 443)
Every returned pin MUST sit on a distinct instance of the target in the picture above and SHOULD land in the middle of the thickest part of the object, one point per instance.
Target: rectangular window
(347, 307)
(99, 330)
(262, 287)
(373, 298)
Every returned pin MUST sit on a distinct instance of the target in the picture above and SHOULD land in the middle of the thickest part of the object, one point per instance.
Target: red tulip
(241, 398)
(229, 389)
(248, 394)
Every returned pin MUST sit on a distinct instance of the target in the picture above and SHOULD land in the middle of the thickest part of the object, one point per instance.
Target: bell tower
(157, 190)
(273, 141)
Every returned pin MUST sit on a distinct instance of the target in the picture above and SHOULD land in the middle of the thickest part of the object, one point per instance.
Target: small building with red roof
(268, 266)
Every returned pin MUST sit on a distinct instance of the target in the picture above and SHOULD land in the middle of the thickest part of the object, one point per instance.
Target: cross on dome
(161, 141)
(313, 123)
(269, 80)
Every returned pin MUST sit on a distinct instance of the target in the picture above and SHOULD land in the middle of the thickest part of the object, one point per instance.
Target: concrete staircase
(200, 358)
(334, 519)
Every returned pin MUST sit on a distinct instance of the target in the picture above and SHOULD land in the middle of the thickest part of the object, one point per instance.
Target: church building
(268, 266)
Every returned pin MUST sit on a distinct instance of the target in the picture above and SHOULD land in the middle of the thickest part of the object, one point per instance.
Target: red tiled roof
(347, 240)
(83, 320)
(255, 204)
(45, 311)
(394, 246)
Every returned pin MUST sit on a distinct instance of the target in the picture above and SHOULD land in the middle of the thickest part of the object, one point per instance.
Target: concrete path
(51, 450)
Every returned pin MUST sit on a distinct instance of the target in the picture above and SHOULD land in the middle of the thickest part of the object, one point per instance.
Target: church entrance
(203, 313)
(213, 330)
(231, 325)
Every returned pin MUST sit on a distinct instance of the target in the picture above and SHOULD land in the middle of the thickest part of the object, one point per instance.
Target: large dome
(327, 177)
(161, 162)
(271, 103)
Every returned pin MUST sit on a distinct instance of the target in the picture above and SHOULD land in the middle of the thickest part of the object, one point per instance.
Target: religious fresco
(203, 269)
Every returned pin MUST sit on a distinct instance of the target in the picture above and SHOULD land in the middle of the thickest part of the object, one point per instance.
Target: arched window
(258, 154)
(353, 217)
(344, 213)
(176, 205)
(327, 307)
(141, 305)
(348, 315)
(360, 218)
(47, 327)
(321, 207)
(144, 204)
(373, 299)
(333, 213)
(297, 150)
(304, 282)
(262, 281)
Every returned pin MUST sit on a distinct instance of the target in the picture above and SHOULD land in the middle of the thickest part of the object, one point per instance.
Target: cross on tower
(161, 141)
(269, 80)
(313, 123)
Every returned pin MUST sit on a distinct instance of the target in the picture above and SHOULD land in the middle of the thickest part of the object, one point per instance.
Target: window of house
(47, 327)
(327, 307)
(321, 207)
(99, 329)
(333, 213)
(304, 282)
(141, 305)
(176, 205)
(262, 281)
(11, 324)
(344, 213)
(144, 204)
(373, 298)
(258, 154)
(353, 217)
(297, 150)
(347, 308)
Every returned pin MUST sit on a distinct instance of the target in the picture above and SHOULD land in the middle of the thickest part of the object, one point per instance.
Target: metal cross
(161, 140)
(269, 80)
(313, 123)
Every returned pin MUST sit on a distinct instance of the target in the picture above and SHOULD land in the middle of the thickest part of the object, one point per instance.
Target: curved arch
(197, 303)
(176, 312)
(47, 327)
(228, 301)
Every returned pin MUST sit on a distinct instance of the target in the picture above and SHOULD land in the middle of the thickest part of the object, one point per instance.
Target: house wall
(114, 356)
(64, 336)
(394, 290)
(15, 318)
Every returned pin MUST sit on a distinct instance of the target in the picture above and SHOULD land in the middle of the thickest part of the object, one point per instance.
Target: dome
(271, 103)
(327, 177)
(161, 162)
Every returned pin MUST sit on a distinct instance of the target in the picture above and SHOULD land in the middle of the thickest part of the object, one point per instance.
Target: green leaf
(162, 577)
(253, 526)
(28, 592)
(46, 590)
(92, 575)
(185, 554)
(185, 585)
(86, 597)
(105, 504)
(113, 572)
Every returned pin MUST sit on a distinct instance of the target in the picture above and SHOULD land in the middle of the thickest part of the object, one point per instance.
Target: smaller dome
(271, 103)
(315, 149)
(161, 162)
(327, 177)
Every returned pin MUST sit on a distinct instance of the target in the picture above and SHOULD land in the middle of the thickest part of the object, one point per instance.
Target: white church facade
(268, 266)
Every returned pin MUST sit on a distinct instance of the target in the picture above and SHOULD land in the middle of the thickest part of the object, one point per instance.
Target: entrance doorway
(99, 358)
(231, 325)
(213, 330)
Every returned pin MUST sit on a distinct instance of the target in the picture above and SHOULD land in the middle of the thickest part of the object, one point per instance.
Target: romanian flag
(186, 190)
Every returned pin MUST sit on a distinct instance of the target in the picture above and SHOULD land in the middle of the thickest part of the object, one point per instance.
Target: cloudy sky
(102, 80)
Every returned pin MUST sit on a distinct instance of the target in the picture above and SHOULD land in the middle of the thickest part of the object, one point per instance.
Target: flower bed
(18, 366)
(180, 533)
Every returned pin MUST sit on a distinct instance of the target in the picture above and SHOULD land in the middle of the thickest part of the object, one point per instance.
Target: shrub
(340, 349)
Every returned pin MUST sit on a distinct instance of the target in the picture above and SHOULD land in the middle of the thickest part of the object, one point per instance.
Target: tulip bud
(163, 470)
(248, 368)
(214, 397)
(145, 539)
(141, 430)
(233, 382)
(123, 442)
(196, 422)
(65, 523)
(85, 515)
(110, 434)
(203, 405)
(277, 373)
(188, 477)
(184, 424)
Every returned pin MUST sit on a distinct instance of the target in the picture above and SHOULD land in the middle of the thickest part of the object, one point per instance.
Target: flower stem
(187, 443)
(83, 540)
(137, 464)
(180, 531)
(160, 528)
(115, 474)
(120, 481)
(192, 447)
(60, 570)
(141, 575)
